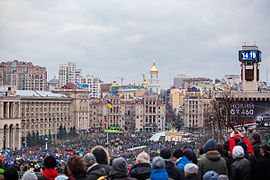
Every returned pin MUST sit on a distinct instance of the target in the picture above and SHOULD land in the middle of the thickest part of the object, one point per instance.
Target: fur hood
(101, 154)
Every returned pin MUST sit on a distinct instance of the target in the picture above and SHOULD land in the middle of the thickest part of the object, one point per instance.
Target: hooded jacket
(182, 162)
(102, 158)
(119, 171)
(212, 161)
(159, 174)
(48, 174)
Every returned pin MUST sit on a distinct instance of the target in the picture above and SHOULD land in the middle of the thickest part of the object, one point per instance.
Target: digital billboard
(250, 55)
(252, 111)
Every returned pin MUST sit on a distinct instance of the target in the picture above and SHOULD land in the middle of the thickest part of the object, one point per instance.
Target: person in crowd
(142, 168)
(183, 161)
(119, 170)
(171, 169)
(76, 168)
(252, 159)
(189, 153)
(177, 154)
(102, 158)
(11, 174)
(63, 176)
(236, 138)
(212, 160)
(240, 169)
(92, 168)
(256, 144)
(191, 172)
(49, 173)
(262, 171)
(210, 175)
(158, 169)
(29, 175)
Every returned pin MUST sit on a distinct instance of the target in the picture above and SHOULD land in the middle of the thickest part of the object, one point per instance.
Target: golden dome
(115, 85)
(154, 70)
(145, 84)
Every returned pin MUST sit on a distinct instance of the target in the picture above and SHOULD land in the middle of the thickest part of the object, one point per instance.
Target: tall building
(250, 57)
(154, 84)
(23, 76)
(195, 109)
(93, 85)
(68, 73)
(178, 81)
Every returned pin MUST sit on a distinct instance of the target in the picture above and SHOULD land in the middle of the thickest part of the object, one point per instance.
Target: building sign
(252, 111)
(193, 91)
(82, 85)
(250, 55)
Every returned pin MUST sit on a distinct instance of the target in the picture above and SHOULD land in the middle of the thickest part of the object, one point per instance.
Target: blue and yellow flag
(109, 104)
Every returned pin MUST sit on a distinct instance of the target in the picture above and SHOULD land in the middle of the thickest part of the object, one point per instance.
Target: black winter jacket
(262, 171)
(140, 171)
(173, 171)
(95, 172)
(240, 169)
(256, 147)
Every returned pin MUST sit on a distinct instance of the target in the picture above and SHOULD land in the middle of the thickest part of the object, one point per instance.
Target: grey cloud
(121, 38)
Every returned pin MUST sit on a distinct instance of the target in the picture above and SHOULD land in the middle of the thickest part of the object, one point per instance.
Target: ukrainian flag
(109, 104)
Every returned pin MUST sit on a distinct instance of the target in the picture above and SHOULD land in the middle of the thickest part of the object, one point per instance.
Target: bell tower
(250, 57)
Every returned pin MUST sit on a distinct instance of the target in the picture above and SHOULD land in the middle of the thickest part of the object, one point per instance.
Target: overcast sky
(121, 38)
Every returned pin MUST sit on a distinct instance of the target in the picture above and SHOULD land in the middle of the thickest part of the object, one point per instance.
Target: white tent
(157, 136)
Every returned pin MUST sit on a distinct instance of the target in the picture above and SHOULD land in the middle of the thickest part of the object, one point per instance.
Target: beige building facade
(23, 112)
(143, 114)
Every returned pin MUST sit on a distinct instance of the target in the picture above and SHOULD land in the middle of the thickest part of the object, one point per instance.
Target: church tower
(154, 84)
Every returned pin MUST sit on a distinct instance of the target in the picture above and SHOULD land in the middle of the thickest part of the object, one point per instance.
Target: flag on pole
(109, 104)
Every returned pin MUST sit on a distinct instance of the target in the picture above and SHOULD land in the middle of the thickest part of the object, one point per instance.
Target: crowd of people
(236, 159)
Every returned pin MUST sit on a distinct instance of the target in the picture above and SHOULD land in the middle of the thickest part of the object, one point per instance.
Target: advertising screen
(250, 55)
(252, 111)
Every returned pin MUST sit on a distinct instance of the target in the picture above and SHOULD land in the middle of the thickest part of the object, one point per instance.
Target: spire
(154, 70)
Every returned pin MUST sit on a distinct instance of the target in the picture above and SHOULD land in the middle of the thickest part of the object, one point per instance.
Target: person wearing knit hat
(89, 159)
(249, 156)
(240, 168)
(119, 170)
(191, 172)
(212, 160)
(171, 169)
(94, 171)
(263, 163)
(158, 169)
(236, 138)
(256, 144)
(210, 175)
(29, 175)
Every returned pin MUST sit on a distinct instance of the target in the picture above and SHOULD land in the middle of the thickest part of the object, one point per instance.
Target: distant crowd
(236, 159)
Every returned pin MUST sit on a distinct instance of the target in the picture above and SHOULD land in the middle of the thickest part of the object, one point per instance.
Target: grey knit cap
(89, 159)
